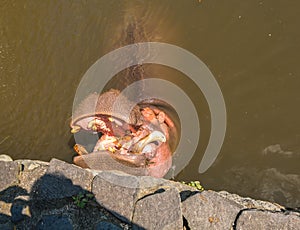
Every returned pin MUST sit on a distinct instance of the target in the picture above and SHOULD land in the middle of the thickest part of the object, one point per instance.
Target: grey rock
(209, 210)
(255, 219)
(279, 187)
(79, 176)
(4, 157)
(5, 222)
(184, 190)
(148, 182)
(20, 209)
(272, 184)
(17, 212)
(30, 172)
(7, 226)
(160, 210)
(104, 225)
(8, 174)
(276, 149)
(56, 222)
(182, 187)
(33, 196)
(4, 209)
(116, 192)
(247, 202)
(148, 185)
(62, 180)
(29, 165)
(9, 198)
(54, 186)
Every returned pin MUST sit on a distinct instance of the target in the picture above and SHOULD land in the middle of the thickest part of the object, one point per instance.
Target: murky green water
(251, 47)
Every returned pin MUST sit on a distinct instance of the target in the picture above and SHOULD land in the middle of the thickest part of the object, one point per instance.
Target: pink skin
(162, 162)
(150, 157)
(156, 158)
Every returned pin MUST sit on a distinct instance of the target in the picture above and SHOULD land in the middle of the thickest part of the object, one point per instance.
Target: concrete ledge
(59, 195)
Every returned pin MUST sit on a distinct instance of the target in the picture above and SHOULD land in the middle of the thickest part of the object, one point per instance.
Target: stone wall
(58, 195)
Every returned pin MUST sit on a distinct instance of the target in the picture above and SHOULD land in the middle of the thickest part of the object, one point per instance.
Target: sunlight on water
(252, 49)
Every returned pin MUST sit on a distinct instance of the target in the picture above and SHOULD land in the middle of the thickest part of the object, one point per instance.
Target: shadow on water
(51, 204)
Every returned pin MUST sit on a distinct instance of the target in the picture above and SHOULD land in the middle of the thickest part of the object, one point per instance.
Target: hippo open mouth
(133, 136)
(136, 138)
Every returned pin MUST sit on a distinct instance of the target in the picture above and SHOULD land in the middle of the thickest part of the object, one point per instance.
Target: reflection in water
(251, 48)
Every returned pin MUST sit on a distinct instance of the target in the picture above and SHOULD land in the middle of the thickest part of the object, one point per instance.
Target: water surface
(251, 47)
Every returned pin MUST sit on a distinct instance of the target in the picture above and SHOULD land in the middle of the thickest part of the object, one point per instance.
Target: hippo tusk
(75, 129)
(152, 137)
(92, 124)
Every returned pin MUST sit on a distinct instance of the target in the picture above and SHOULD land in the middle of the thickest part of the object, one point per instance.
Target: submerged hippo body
(135, 138)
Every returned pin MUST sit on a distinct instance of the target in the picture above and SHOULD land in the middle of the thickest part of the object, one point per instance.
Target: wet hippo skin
(135, 137)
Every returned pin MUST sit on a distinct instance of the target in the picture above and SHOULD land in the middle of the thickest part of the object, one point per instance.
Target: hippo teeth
(152, 137)
(75, 129)
(116, 121)
(98, 124)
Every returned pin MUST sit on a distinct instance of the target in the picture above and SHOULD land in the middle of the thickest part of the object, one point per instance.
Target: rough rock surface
(258, 219)
(79, 177)
(54, 222)
(160, 210)
(30, 172)
(58, 195)
(116, 192)
(8, 174)
(249, 203)
(208, 210)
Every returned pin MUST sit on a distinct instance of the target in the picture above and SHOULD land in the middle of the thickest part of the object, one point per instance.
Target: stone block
(160, 210)
(116, 192)
(62, 180)
(256, 219)
(209, 210)
(77, 175)
(57, 222)
(8, 174)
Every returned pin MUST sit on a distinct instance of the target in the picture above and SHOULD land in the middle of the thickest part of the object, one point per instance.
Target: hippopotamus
(136, 138)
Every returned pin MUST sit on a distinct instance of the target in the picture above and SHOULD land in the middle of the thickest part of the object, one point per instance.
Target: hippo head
(135, 138)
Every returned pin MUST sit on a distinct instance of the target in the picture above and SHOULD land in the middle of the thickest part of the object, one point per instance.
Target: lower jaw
(103, 161)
